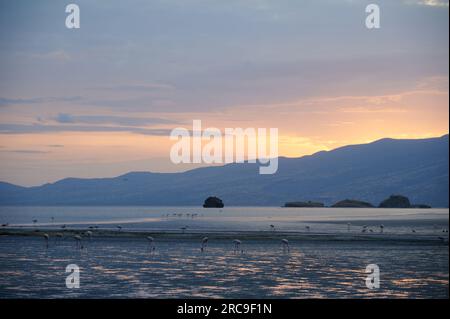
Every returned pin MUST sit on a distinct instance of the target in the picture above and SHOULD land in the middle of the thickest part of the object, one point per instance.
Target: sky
(101, 100)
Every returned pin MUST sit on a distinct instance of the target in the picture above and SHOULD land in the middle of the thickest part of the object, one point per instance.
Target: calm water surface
(126, 267)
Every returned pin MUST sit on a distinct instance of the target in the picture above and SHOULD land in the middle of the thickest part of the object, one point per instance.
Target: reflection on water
(114, 267)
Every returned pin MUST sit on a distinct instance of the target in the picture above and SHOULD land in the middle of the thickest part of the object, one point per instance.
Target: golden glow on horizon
(305, 127)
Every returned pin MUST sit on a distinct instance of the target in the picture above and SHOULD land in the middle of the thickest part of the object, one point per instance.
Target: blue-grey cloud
(134, 87)
(37, 100)
(65, 118)
(40, 128)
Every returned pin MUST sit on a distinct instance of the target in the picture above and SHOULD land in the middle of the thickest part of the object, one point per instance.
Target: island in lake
(352, 203)
(394, 201)
(213, 202)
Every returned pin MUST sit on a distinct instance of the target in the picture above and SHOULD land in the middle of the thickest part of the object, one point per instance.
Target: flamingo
(151, 242)
(204, 243)
(58, 235)
(78, 241)
(46, 237)
(285, 244)
(237, 244)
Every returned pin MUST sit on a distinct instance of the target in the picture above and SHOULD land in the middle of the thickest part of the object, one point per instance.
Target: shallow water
(118, 267)
(123, 267)
(328, 220)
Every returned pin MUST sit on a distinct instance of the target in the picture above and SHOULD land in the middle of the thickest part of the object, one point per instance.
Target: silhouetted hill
(370, 172)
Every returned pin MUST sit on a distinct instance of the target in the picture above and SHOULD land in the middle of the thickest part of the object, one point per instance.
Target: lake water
(411, 251)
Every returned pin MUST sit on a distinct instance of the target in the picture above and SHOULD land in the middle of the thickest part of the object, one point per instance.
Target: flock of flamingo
(151, 241)
(204, 242)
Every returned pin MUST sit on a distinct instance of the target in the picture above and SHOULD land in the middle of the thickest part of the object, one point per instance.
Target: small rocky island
(213, 202)
(394, 201)
(304, 204)
(352, 203)
(399, 201)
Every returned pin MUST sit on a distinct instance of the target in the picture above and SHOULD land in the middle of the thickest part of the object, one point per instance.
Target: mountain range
(417, 168)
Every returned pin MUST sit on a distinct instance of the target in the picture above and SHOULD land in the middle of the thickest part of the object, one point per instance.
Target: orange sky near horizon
(305, 127)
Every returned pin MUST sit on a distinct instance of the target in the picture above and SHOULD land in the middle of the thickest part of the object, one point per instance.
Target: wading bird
(58, 235)
(237, 244)
(308, 228)
(78, 241)
(119, 227)
(381, 228)
(151, 243)
(285, 244)
(272, 227)
(183, 229)
(46, 237)
(204, 243)
(348, 226)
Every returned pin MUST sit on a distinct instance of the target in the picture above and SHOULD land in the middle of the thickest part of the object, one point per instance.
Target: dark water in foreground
(411, 252)
(126, 267)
